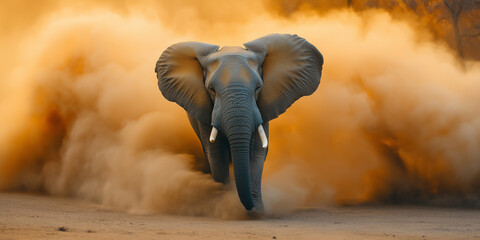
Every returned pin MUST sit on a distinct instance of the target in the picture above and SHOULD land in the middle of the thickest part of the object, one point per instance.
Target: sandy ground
(26, 216)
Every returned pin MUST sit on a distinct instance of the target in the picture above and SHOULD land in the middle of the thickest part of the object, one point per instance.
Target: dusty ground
(25, 216)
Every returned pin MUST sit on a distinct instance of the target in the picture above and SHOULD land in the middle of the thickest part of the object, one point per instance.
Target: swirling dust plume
(395, 118)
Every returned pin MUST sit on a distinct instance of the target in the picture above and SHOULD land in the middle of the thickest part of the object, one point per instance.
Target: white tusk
(263, 137)
(213, 135)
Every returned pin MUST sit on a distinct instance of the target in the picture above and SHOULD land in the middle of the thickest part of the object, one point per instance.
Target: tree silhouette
(463, 15)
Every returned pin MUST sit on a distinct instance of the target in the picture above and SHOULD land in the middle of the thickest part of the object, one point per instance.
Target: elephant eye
(211, 89)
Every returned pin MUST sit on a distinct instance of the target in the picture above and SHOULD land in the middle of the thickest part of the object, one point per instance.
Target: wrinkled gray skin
(236, 89)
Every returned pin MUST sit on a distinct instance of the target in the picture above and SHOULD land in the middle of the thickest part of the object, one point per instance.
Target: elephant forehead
(233, 64)
(234, 71)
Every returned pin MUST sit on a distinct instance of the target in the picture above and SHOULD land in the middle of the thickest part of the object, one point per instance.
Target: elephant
(231, 94)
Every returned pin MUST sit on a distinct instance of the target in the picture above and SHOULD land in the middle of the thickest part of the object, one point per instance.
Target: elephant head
(230, 95)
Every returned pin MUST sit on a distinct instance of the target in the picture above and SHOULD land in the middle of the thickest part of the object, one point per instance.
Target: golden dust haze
(395, 118)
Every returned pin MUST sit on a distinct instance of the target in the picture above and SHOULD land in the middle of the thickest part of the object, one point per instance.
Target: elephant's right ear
(180, 77)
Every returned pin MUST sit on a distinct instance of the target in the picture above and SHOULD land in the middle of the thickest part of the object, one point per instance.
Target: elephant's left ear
(291, 68)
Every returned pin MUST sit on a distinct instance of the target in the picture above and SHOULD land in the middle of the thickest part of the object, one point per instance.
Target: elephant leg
(257, 159)
(204, 162)
(216, 153)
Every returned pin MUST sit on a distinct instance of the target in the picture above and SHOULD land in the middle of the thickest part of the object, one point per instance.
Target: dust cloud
(394, 120)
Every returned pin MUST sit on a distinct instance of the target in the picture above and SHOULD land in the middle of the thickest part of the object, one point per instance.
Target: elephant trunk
(239, 119)
(240, 150)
